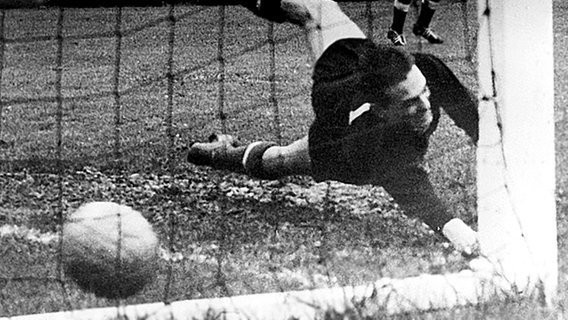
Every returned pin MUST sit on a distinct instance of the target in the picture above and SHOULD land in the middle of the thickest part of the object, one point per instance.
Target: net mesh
(101, 103)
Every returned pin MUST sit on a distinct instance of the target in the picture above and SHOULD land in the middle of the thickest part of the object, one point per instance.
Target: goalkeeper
(375, 108)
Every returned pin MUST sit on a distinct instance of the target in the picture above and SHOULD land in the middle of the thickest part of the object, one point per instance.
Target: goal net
(100, 102)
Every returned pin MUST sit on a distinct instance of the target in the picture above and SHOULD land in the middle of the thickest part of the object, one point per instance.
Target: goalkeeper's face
(410, 101)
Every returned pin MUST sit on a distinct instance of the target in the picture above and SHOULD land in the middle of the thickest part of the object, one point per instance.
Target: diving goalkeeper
(375, 107)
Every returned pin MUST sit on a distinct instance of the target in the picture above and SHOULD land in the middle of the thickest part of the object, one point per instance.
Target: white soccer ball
(109, 249)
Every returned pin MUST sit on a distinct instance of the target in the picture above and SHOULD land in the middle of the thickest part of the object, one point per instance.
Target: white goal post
(516, 159)
(516, 197)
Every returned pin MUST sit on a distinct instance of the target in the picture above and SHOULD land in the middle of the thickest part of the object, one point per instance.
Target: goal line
(385, 296)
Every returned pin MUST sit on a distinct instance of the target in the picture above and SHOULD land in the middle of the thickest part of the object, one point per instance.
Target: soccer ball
(109, 249)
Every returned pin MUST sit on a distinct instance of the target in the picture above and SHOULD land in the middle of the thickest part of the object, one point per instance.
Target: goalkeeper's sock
(425, 17)
(398, 20)
(400, 10)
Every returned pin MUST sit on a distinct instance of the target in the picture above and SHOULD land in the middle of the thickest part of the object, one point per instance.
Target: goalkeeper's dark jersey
(350, 143)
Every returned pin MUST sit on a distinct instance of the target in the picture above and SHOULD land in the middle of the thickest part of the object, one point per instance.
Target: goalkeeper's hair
(382, 67)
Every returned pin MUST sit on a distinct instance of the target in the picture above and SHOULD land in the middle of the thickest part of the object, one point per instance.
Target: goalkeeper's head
(382, 70)
(390, 79)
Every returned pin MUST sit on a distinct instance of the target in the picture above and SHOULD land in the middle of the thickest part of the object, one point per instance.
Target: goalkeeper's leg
(323, 20)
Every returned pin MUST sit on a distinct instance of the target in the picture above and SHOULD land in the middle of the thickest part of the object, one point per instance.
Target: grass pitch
(230, 234)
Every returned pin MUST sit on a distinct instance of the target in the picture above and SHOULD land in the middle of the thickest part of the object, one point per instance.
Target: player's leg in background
(422, 25)
(396, 31)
